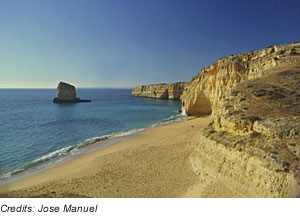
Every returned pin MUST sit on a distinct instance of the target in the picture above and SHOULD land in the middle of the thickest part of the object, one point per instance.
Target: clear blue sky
(124, 43)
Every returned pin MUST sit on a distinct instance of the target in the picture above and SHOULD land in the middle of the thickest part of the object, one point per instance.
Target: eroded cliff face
(253, 144)
(215, 82)
(253, 141)
(171, 91)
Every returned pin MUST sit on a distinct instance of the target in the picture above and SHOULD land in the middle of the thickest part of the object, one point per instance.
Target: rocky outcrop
(253, 142)
(66, 93)
(171, 91)
(215, 82)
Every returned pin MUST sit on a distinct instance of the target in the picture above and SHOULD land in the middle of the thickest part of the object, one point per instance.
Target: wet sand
(155, 164)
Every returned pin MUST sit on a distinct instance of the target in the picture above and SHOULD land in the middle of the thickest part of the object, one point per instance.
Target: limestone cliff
(66, 93)
(171, 91)
(253, 142)
(216, 81)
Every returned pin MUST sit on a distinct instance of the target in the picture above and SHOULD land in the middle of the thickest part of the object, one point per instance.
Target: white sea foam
(183, 112)
(57, 153)
(9, 174)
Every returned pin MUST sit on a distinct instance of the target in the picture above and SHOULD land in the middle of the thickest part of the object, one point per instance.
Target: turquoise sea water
(35, 131)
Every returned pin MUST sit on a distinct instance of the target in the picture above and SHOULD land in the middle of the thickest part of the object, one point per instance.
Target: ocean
(35, 133)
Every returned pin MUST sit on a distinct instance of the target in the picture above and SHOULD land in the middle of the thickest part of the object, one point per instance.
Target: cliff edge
(171, 91)
(215, 82)
(253, 142)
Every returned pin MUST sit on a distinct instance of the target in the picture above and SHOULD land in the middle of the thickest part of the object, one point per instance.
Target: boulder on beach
(66, 93)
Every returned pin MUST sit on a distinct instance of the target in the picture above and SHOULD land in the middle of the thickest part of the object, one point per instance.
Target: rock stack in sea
(66, 93)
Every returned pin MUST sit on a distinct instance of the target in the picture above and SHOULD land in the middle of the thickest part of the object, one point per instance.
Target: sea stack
(66, 93)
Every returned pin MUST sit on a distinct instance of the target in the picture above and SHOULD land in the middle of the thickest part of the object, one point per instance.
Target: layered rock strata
(66, 93)
(253, 142)
(171, 91)
(213, 83)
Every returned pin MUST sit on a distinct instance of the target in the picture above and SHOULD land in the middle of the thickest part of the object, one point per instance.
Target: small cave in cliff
(202, 106)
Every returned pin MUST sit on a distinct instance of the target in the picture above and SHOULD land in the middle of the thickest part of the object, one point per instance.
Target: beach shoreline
(153, 164)
(79, 149)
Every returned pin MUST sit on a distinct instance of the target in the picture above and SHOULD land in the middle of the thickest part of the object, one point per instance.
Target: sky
(125, 43)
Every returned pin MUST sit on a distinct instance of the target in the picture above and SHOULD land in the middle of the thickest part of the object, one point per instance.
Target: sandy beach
(155, 164)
